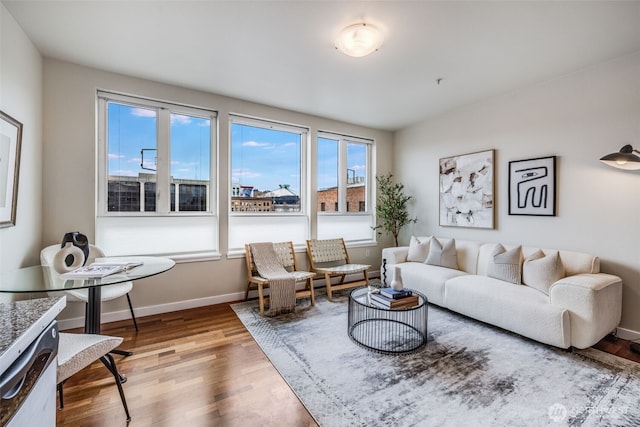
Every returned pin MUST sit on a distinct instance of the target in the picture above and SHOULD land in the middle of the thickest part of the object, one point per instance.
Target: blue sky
(262, 158)
(132, 129)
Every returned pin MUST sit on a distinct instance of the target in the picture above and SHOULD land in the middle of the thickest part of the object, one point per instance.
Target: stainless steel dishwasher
(25, 387)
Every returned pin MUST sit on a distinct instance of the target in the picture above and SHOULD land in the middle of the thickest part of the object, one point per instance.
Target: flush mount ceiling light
(359, 40)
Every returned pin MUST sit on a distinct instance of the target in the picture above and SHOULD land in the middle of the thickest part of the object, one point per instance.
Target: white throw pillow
(506, 264)
(443, 255)
(541, 270)
(418, 250)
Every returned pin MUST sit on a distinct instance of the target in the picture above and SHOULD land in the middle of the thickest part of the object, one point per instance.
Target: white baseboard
(114, 316)
(627, 334)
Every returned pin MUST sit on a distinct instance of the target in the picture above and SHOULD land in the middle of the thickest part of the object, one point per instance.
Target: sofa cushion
(506, 264)
(428, 279)
(541, 270)
(516, 308)
(442, 254)
(418, 249)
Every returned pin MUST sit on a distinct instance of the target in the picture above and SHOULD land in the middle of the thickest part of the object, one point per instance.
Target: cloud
(143, 112)
(244, 173)
(358, 167)
(256, 144)
(115, 156)
(179, 119)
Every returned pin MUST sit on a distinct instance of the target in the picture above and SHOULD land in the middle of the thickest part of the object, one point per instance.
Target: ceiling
(281, 53)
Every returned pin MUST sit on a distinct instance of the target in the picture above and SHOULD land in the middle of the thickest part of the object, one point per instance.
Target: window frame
(343, 141)
(118, 221)
(304, 132)
(163, 173)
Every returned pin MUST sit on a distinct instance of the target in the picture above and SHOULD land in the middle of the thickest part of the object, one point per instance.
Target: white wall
(21, 98)
(70, 179)
(579, 118)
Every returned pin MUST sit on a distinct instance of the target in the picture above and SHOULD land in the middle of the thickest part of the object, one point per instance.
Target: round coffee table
(387, 330)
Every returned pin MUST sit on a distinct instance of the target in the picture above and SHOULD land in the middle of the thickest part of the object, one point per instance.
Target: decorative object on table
(380, 300)
(98, 270)
(532, 187)
(68, 258)
(10, 143)
(396, 283)
(466, 190)
(79, 240)
(627, 158)
(396, 294)
(391, 209)
(384, 272)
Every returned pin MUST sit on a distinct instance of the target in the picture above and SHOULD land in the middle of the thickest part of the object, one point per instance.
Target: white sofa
(576, 310)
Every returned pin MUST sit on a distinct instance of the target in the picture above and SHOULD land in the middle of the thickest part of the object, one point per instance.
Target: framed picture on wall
(10, 140)
(466, 190)
(532, 187)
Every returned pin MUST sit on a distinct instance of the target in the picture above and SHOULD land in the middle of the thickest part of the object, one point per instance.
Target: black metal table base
(385, 330)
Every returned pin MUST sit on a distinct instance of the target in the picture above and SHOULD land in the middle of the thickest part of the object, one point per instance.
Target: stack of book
(390, 298)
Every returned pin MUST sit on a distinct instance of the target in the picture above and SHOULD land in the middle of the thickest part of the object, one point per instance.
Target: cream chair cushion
(76, 351)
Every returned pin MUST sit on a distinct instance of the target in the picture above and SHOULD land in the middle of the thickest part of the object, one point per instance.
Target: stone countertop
(21, 322)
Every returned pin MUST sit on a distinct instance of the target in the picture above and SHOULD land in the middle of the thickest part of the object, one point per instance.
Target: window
(155, 170)
(267, 181)
(343, 183)
(266, 165)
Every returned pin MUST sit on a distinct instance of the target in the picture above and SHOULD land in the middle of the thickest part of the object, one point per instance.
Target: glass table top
(45, 279)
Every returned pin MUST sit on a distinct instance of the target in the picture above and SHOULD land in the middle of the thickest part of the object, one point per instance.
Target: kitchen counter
(22, 321)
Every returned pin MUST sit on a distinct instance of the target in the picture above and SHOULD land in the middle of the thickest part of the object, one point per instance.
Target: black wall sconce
(627, 158)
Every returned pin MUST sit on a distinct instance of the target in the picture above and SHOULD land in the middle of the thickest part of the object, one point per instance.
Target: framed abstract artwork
(466, 190)
(532, 187)
(10, 140)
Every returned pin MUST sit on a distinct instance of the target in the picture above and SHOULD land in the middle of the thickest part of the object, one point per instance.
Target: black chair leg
(60, 394)
(133, 316)
(108, 361)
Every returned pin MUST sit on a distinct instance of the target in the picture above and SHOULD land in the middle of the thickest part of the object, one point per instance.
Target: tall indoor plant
(391, 209)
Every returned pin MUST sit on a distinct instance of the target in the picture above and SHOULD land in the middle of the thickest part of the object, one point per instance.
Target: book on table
(392, 293)
(387, 302)
(98, 270)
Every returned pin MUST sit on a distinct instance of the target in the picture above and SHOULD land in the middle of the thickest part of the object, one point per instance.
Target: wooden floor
(197, 367)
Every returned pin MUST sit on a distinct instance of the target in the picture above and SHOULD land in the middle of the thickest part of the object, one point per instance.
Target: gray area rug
(468, 374)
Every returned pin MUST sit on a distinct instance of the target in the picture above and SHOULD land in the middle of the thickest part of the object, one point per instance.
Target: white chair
(77, 351)
(82, 295)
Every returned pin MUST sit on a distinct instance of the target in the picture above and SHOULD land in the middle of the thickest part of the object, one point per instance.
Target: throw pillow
(418, 250)
(541, 270)
(443, 255)
(506, 264)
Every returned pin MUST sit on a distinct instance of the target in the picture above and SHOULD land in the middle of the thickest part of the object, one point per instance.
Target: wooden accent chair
(287, 256)
(330, 257)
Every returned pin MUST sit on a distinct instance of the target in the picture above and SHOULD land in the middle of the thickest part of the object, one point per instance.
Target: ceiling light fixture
(626, 158)
(359, 40)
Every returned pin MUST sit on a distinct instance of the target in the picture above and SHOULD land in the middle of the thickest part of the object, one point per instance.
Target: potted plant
(391, 209)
